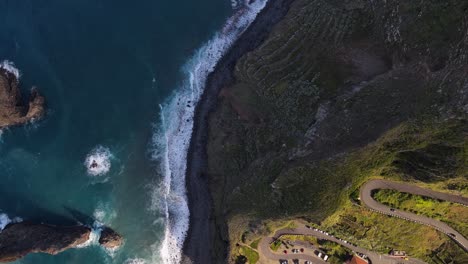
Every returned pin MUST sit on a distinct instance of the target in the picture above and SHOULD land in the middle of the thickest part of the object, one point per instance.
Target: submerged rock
(13, 110)
(110, 239)
(19, 239)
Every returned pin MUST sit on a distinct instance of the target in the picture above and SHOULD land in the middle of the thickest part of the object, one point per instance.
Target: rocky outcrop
(110, 239)
(13, 110)
(18, 240)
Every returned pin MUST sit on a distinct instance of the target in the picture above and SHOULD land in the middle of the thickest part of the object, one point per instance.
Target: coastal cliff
(207, 239)
(13, 110)
(336, 92)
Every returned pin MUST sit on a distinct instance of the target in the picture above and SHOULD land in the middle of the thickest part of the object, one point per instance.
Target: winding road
(266, 255)
(368, 200)
(265, 251)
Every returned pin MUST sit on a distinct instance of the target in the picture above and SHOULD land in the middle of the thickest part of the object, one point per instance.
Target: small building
(358, 260)
(398, 253)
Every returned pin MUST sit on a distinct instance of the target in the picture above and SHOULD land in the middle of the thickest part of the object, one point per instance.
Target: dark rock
(110, 239)
(18, 240)
(13, 110)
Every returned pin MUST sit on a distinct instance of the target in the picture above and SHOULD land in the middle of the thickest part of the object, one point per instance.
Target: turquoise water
(104, 67)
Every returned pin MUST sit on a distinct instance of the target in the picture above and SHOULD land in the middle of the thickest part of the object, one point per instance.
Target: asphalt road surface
(367, 200)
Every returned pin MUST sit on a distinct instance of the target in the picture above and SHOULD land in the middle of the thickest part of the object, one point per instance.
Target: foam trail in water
(177, 114)
(10, 67)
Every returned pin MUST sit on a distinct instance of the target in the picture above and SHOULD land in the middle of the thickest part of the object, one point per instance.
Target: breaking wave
(172, 139)
(6, 220)
(93, 239)
(98, 161)
(10, 67)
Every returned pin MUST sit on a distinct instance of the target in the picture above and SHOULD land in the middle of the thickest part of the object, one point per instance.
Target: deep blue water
(104, 66)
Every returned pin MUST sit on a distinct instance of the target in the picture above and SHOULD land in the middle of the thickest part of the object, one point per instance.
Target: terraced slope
(331, 78)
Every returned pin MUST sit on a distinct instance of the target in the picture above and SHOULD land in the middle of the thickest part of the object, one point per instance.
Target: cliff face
(331, 78)
(18, 240)
(13, 111)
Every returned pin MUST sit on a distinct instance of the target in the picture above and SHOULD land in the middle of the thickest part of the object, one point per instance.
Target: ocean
(121, 80)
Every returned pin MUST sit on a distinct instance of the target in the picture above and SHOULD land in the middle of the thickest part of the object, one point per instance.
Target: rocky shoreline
(19, 239)
(207, 239)
(13, 110)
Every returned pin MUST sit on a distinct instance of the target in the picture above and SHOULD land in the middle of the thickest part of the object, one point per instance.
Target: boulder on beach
(110, 239)
(13, 110)
(19, 239)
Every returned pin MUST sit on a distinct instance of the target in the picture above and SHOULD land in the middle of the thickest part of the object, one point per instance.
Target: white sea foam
(171, 142)
(5, 220)
(135, 261)
(104, 213)
(93, 238)
(234, 3)
(10, 67)
(99, 215)
(98, 161)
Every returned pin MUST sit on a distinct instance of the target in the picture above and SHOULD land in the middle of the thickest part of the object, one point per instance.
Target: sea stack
(13, 110)
(110, 239)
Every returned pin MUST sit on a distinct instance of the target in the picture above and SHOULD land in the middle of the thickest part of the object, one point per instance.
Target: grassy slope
(383, 158)
(453, 214)
(294, 137)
